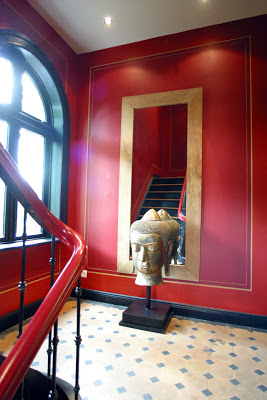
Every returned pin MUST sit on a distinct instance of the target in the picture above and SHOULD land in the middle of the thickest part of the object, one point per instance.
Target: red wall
(228, 61)
(20, 16)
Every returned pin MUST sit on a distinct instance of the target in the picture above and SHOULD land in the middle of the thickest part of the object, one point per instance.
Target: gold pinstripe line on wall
(27, 22)
(28, 283)
(88, 153)
(251, 163)
(171, 281)
(185, 50)
(170, 52)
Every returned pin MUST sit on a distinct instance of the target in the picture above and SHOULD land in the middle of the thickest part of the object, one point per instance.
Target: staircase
(163, 193)
(16, 365)
(37, 386)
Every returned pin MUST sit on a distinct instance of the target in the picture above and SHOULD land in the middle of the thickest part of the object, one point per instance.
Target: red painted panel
(223, 70)
(225, 177)
(35, 268)
(37, 275)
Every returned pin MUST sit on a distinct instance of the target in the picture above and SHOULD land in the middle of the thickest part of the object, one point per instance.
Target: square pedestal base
(155, 319)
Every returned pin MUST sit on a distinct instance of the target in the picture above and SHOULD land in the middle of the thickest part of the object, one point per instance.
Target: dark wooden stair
(163, 193)
(37, 386)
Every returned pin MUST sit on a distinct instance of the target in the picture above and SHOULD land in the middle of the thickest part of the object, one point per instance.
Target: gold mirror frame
(194, 100)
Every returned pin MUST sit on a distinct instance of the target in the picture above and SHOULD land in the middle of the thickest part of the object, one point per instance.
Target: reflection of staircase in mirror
(163, 193)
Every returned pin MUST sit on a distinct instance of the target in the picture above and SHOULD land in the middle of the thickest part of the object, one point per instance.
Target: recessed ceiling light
(108, 21)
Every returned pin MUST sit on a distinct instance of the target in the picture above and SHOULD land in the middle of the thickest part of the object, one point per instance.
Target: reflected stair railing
(180, 208)
(19, 360)
(180, 255)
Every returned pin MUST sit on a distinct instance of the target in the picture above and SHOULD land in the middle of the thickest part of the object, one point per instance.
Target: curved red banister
(180, 214)
(21, 356)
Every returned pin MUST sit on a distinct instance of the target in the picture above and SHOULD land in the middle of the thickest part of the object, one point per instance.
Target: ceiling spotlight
(108, 21)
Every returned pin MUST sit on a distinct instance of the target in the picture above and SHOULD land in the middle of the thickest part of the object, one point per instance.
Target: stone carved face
(149, 241)
(148, 254)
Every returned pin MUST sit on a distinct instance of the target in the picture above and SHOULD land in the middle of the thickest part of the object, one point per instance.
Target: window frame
(27, 55)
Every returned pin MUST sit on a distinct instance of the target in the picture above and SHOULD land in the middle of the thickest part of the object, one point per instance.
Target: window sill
(29, 243)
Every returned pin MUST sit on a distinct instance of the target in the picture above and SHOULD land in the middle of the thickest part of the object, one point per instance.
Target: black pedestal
(154, 319)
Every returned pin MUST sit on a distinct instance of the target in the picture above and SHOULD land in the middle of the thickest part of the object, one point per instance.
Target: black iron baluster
(22, 287)
(52, 265)
(53, 395)
(78, 339)
(22, 284)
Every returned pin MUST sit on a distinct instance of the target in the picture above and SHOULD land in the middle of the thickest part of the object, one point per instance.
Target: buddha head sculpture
(174, 238)
(150, 241)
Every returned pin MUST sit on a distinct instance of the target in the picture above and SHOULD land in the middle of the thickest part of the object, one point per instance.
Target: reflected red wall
(20, 16)
(159, 148)
(146, 151)
(218, 59)
(178, 144)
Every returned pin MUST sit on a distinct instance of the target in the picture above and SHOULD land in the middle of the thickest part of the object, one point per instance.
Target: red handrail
(22, 354)
(180, 214)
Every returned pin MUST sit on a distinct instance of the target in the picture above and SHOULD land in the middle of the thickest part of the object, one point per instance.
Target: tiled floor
(192, 360)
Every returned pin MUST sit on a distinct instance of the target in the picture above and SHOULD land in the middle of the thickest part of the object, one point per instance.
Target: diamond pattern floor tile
(193, 360)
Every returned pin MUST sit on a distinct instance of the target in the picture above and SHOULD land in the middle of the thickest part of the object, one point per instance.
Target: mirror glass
(159, 166)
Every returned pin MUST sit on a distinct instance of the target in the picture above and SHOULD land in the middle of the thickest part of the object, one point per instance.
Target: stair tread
(162, 199)
(169, 177)
(163, 191)
(166, 184)
(167, 208)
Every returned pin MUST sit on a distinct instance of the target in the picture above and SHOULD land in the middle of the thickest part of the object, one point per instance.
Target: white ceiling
(81, 22)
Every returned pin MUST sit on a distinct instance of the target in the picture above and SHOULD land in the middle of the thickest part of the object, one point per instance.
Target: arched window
(34, 128)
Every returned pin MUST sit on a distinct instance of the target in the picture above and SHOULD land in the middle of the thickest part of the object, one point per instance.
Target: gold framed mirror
(194, 100)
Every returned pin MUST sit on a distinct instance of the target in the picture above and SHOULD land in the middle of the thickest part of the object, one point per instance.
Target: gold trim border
(171, 281)
(95, 68)
(28, 283)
